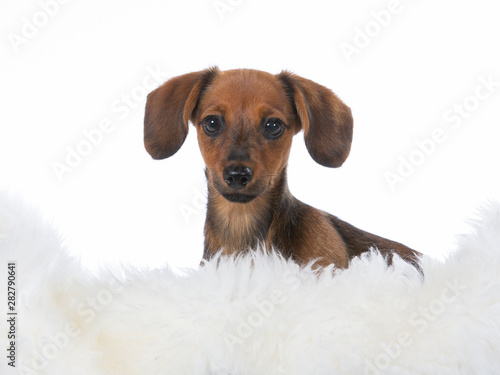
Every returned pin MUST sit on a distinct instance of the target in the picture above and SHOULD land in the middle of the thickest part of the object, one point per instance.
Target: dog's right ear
(169, 109)
(325, 119)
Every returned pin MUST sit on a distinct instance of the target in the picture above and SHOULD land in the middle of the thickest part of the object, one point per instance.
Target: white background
(67, 68)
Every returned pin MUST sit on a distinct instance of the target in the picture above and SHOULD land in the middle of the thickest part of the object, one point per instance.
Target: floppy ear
(168, 110)
(326, 120)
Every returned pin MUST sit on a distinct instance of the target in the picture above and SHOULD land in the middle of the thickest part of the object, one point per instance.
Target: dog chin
(239, 198)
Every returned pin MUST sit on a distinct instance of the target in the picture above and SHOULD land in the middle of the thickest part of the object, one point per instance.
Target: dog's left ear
(326, 120)
(168, 110)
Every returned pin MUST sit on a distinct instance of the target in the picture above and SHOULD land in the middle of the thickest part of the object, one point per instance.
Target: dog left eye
(274, 128)
(212, 125)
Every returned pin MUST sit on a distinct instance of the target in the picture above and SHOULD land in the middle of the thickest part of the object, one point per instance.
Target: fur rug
(231, 318)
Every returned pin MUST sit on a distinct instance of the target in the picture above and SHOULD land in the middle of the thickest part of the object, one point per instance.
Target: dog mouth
(244, 195)
(239, 198)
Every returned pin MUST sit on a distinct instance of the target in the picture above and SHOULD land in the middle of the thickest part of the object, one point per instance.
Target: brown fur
(269, 215)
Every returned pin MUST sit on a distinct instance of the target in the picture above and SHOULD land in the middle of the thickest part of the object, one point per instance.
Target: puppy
(245, 121)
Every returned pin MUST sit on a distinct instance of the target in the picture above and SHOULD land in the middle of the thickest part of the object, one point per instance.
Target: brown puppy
(245, 120)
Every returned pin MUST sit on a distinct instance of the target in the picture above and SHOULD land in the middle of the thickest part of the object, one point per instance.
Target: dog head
(245, 121)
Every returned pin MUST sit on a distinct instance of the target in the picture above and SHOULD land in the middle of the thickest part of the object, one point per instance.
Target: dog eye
(212, 125)
(274, 128)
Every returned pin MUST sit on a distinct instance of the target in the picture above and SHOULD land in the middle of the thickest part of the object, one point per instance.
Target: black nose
(237, 177)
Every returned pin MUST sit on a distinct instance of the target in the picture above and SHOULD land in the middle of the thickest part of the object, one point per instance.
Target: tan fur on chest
(235, 227)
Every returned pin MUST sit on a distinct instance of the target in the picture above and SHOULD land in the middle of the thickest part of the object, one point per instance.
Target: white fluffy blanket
(253, 315)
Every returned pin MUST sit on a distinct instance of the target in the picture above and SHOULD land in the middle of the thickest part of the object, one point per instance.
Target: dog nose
(237, 177)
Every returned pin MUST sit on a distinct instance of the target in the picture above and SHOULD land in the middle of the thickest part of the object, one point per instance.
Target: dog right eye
(273, 128)
(212, 125)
